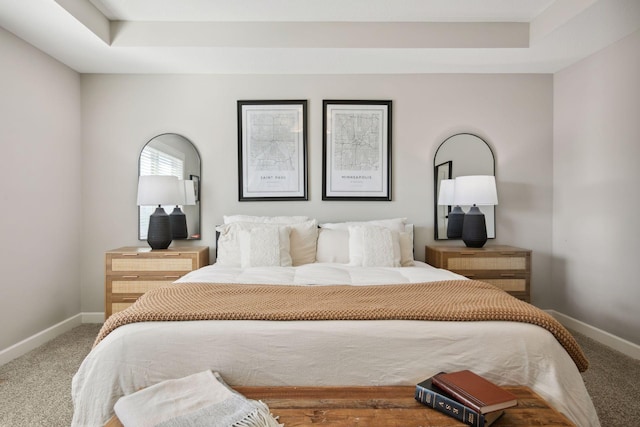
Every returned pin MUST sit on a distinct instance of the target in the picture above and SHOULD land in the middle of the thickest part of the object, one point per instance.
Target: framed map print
(272, 150)
(356, 149)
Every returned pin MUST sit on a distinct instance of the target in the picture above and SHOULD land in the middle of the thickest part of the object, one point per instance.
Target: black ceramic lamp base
(454, 223)
(178, 222)
(159, 234)
(474, 228)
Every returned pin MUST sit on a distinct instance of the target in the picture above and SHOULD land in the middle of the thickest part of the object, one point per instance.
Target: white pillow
(228, 219)
(373, 246)
(396, 224)
(304, 234)
(333, 246)
(406, 248)
(264, 247)
(228, 249)
(304, 240)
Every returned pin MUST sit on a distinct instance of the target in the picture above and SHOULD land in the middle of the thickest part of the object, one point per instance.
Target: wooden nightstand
(504, 266)
(132, 271)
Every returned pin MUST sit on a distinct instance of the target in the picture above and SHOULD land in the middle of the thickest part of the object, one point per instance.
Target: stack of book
(466, 396)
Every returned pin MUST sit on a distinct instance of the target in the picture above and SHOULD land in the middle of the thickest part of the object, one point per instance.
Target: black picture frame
(356, 150)
(196, 185)
(272, 150)
(441, 172)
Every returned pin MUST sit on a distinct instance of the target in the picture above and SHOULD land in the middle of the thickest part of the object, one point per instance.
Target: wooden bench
(382, 406)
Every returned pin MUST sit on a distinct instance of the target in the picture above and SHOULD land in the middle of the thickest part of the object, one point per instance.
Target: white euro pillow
(333, 246)
(302, 245)
(303, 237)
(406, 248)
(396, 224)
(228, 219)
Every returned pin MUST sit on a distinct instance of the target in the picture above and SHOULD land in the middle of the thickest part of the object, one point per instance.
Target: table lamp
(455, 218)
(177, 218)
(474, 191)
(158, 190)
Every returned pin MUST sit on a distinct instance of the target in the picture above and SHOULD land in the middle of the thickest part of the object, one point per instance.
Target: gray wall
(596, 232)
(40, 171)
(513, 113)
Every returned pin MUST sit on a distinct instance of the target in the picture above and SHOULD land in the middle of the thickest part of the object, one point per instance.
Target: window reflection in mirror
(460, 155)
(171, 154)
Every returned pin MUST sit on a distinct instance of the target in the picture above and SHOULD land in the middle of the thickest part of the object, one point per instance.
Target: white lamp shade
(477, 190)
(189, 192)
(156, 190)
(446, 192)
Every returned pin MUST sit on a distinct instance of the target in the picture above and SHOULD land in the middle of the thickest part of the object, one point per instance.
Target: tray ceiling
(320, 36)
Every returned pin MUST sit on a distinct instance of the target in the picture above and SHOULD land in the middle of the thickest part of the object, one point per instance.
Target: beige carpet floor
(35, 388)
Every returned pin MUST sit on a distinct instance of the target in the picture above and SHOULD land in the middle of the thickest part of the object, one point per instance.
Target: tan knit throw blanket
(455, 300)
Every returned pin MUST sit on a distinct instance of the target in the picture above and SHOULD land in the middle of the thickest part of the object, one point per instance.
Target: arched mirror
(460, 155)
(172, 154)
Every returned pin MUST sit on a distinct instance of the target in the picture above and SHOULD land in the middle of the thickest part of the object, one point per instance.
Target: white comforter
(322, 353)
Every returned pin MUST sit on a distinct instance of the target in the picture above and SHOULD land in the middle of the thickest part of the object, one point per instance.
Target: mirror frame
(449, 163)
(197, 208)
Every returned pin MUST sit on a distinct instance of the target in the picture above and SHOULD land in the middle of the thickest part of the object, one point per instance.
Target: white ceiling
(320, 36)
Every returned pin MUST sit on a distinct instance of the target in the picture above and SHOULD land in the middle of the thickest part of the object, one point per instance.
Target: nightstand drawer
(119, 306)
(126, 285)
(118, 302)
(122, 291)
(467, 262)
(167, 262)
(509, 285)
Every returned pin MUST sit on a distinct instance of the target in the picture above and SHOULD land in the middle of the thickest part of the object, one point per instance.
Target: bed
(322, 351)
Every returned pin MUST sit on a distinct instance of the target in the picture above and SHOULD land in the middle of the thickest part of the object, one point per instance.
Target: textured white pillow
(373, 246)
(304, 234)
(333, 246)
(264, 247)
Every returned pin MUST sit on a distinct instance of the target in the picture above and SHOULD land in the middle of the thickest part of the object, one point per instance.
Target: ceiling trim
(386, 35)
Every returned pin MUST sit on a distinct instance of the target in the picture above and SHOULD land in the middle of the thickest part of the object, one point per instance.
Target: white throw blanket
(201, 399)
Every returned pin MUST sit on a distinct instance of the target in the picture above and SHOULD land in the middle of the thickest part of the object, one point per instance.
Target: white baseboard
(34, 341)
(620, 344)
(92, 317)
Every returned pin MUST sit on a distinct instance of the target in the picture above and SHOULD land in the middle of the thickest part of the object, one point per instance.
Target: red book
(475, 391)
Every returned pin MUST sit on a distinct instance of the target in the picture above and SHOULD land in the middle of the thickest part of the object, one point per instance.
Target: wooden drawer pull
(507, 253)
(128, 254)
(130, 299)
(507, 275)
(467, 253)
(130, 277)
(172, 254)
(171, 277)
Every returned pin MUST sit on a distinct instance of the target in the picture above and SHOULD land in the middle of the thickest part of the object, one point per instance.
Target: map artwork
(357, 141)
(357, 151)
(273, 145)
(273, 151)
